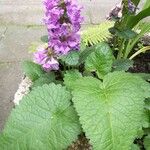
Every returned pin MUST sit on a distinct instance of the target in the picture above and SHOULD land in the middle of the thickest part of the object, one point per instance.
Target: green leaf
(84, 54)
(97, 33)
(147, 143)
(100, 60)
(135, 147)
(44, 120)
(46, 78)
(126, 34)
(44, 38)
(71, 58)
(145, 76)
(111, 111)
(136, 2)
(122, 64)
(134, 20)
(32, 70)
(70, 77)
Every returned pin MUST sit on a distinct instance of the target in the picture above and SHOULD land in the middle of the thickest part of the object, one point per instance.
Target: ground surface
(14, 43)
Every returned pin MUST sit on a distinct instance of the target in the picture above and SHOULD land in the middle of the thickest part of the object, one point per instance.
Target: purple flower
(45, 58)
(63, 20)
(131, 6)
(115, 13)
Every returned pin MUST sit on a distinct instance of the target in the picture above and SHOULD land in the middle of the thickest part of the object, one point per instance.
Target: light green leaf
(97, 33)
(111, 111)
(32, 70)
(122, 64)
(70, 77)
(46, 78)
(72, 58)
(44, 120)
(101, 60)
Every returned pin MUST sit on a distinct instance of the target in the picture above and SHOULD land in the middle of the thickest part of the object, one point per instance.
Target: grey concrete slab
(31, 12)
(10, 76)
(14, 49)
(14, 46)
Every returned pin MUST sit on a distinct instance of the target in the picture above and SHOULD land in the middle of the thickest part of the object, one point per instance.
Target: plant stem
(120, 53)
(143, 50)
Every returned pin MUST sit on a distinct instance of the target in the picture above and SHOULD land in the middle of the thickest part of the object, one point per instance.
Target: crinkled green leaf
(100, 60)
(44, 120)
(70, 77)
(147, 142)
(46, 78)
(32, 70)
(72, 58)
(111, 112)
(122, 64)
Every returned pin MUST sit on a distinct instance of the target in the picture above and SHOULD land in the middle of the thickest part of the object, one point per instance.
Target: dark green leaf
(134, 20)
(84, 54)
(46, 78)
(72, 58)
(32, 70)
(122, 64)
(126, 34)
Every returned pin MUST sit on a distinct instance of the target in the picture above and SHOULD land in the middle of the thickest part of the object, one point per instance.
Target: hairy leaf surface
(70, 77)
(100, 60)
(46, 78)
(111, 111)
(32, 70)
(44, 120)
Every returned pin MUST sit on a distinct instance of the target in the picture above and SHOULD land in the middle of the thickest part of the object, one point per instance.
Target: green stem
(120, 53)
(143, 50)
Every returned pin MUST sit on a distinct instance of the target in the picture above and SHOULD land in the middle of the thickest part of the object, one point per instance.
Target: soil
(141, 64)
(81, 144)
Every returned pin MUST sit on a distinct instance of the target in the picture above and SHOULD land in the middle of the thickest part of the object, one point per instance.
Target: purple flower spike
(63, 20)
(45, 58)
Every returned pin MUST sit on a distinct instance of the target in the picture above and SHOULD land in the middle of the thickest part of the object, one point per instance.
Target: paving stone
(14, 46)
(10, 76)
(31, 12)
(14, 49)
